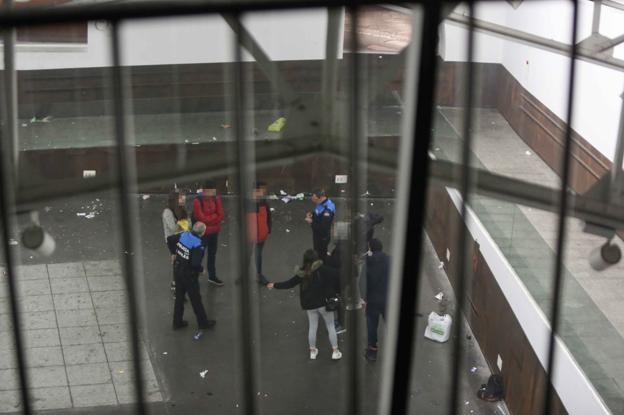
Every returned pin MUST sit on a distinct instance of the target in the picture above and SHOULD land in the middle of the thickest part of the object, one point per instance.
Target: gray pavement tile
(123, 379)
(44, 356)
(108, 267)
(84, 353)
(120, 352)
(8, 379)
(44, 377)
(33, 303)
(7, 359)
(111, 315)
(112, 299)
(73, 301)
(51, 398)
(89, 374)
(76, 318)
(32, 272)
(10, 401)
(66, 270)
(113, 333)
(69, 285)
(39, 320)
(33, 287)
(79, 335)
(41, 338)
(108, 283)
(93, 395)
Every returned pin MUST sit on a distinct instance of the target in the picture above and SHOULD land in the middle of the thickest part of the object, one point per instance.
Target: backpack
(493, 390)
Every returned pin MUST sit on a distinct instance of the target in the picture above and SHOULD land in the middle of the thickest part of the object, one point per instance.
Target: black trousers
(188, 285)
(211, 242)
(321, 244)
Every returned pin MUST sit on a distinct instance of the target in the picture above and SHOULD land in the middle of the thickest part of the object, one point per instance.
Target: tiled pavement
(74, 325)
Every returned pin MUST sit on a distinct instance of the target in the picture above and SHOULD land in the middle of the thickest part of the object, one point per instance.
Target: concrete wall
(292, 35)
(545, 74)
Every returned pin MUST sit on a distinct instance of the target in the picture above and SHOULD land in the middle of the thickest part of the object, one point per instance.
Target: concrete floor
(287, 380)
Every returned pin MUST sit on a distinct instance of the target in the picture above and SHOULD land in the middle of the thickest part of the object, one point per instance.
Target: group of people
(191, 237)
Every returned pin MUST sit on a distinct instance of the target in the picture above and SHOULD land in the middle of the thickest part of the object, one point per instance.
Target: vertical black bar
(9, 159)
(7, 186)
(463, 239)
(355, 150)
(126, 184)
(563, 208)
(412, 260)
(247, 350)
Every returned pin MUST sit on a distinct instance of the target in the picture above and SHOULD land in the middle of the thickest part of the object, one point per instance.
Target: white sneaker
(313, 354)
(336, 355)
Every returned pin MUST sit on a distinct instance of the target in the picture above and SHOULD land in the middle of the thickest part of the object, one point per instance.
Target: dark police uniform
(188, 251)
(322, 220)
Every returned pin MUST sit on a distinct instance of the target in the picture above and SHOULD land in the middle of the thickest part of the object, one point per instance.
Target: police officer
(321, 221)
(186, 254)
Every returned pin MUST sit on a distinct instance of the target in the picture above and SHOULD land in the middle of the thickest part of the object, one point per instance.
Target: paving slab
(88, 374)
(93, 395)
(66, 270)
(84, 354)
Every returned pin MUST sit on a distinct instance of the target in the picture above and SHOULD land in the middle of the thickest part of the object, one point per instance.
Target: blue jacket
(323, 218)
(188, 249)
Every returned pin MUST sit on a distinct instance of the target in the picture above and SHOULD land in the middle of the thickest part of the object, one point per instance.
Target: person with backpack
(318, 283)
(258, 225)
(374, 289)
(175, 220)
(207, 209)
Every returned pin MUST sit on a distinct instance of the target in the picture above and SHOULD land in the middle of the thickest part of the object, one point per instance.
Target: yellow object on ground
(277, 125)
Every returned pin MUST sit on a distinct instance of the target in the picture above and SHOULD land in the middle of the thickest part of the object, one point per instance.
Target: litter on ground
(203, 373)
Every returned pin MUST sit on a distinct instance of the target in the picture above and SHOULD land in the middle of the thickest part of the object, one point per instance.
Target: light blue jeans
(328, 317)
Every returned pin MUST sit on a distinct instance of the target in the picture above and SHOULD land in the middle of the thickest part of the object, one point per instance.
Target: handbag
(331, 303)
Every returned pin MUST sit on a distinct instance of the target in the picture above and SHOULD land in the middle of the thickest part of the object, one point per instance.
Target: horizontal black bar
(150, 9)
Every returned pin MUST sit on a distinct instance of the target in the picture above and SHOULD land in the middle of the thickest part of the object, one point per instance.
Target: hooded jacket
(188, 251)
(374, 282)
(314, 289)
(209, 211)
(322, 218)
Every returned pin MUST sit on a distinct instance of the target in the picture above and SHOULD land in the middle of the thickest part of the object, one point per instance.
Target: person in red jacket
(207, 208)
(258, 225)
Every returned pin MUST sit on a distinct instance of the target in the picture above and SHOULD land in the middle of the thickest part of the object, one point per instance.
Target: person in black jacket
(317, 283)
(321, 221)
(374, 289)
(186, 255)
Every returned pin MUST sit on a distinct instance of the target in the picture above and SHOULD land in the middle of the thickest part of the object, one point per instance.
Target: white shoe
(336, 355)
(313, 354)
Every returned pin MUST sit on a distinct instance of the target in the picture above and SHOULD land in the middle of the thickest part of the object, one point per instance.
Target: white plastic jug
(439, 327)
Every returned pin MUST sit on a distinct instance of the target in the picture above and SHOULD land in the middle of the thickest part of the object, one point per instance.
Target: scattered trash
(145, 197)
(224, 245)
(90, 216)
(441, 265)
(81, 214)
(47, 118)
(299, 196)
(277, 125)
(372, 204)
(438, 327)
(165, 353)
(24, 125)
(47, 209)
(272, 209)
(287, 230)
(13, 242)
(439, 296)
(194, 143)
(198, 336)
(467, 403)
(226, 126)
(203, 373)
(286, 199)
(366, 193)
(186, 141)
(528, 153)
(473, 369)
(120, 371)
(214, 138)
(283, 193)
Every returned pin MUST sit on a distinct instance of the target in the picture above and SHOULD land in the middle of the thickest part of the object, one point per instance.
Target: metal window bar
(248, 378)
(355, 155)
(463, 238)
(8, 167)
(563, 209)
(408, 296)
(127, 187)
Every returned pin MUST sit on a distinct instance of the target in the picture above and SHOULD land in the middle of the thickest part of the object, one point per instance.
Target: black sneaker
(370, 354)
(339, 328)
(180, 325)
(216, 281)
(209, 324)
